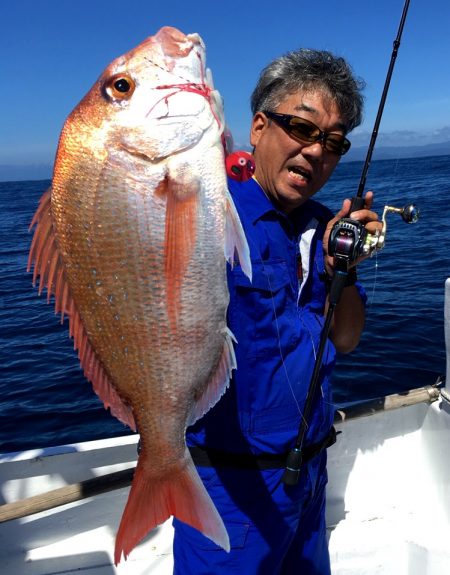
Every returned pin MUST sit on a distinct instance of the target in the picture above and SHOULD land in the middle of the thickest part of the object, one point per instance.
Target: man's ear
(258, 125)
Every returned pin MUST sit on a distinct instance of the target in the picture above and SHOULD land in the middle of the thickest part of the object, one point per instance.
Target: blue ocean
(45, 400)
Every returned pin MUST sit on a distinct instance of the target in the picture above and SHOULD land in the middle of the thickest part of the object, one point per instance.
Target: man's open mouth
(299, 173)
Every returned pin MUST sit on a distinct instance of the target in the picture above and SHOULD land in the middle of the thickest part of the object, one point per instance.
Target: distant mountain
(12, 173)
(395, 152)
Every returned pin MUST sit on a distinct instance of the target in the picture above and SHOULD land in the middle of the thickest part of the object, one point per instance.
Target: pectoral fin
(235, 240)
(219, 381)
(179, 244)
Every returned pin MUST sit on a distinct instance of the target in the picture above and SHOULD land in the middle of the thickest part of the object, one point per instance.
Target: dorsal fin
(49, 268)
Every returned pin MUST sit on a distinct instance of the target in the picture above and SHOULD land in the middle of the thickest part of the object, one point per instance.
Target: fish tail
(151, 501)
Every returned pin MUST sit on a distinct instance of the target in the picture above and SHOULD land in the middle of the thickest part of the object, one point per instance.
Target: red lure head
(240, 165)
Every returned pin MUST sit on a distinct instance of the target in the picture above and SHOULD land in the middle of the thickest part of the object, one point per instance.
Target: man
(303, 106)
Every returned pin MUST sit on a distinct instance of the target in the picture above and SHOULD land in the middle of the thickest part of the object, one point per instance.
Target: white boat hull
(389, 494)
(388, 502)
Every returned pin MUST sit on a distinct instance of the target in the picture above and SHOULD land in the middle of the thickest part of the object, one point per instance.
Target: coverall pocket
(237, 532)
(270, 289)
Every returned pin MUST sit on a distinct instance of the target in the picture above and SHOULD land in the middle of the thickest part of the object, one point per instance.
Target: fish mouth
(152, 158)
(140, 155)
(148, 159)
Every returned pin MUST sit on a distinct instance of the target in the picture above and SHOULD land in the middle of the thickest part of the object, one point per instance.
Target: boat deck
(77, 537)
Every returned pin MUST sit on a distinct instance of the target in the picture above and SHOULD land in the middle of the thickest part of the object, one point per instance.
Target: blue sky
(53, 51)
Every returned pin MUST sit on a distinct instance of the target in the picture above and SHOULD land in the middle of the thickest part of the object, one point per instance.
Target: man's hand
(365, 216)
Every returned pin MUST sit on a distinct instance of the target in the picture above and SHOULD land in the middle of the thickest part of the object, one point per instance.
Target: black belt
(217, 458)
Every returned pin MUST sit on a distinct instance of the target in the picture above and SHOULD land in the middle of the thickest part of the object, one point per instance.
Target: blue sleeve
(362, 293)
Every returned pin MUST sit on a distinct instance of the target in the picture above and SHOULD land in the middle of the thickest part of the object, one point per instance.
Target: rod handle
(357, 204)
(291, 473)
(337, 287)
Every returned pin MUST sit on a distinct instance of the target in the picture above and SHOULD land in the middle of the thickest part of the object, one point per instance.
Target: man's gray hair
(305, 70)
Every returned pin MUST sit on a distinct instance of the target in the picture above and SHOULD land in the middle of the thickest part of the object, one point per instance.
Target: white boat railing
(446, 391)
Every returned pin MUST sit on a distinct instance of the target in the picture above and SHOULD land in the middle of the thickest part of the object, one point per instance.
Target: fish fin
(180, 236)
(152, 501)
(49, 270)
(235, 240)
(219, 382)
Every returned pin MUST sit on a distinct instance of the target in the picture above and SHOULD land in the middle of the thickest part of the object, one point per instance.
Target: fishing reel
(349, 239)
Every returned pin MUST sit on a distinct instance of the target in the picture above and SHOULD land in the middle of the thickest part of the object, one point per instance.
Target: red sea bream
(132, 239)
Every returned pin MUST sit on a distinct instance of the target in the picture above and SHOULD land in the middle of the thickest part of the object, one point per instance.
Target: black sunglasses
(308, 132)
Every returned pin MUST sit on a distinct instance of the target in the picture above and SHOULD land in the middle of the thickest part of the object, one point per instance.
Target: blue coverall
(276, 319)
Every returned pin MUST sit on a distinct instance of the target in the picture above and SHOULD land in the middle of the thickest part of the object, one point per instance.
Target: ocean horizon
(37, 171)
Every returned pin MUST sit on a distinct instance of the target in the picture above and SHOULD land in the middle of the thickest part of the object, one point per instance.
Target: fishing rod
(348, 241)
(358, 201)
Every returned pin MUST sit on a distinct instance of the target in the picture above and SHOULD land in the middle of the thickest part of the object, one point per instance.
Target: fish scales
(137, 228)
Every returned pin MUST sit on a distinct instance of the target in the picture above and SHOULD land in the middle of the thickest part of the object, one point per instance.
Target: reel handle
(409, 214)
(374, 242)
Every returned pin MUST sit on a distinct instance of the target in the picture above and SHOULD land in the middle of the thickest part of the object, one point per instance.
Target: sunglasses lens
(337, 144)
(304, 130)
(309, 133)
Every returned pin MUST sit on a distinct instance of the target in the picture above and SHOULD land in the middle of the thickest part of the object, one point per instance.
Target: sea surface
(45, 400)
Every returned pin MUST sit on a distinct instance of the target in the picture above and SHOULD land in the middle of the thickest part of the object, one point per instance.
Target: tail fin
(151, 502)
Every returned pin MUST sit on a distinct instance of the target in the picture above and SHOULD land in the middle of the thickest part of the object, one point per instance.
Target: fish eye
(120, 87)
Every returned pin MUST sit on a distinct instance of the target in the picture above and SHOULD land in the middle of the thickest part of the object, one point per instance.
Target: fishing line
(279, 341)
(271, 291)
(201, 88)
(374, 255)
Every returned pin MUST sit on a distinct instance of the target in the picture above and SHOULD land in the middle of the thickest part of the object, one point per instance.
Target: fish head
(154, 101)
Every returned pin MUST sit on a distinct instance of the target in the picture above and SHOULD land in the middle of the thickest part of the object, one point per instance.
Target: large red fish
(132, 239)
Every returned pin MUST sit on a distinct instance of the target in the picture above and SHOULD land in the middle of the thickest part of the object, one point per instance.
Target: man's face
(290, 171)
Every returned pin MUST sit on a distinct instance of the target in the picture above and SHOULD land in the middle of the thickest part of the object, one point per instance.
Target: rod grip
(357, 204)
(337, 286)
(291, 473)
